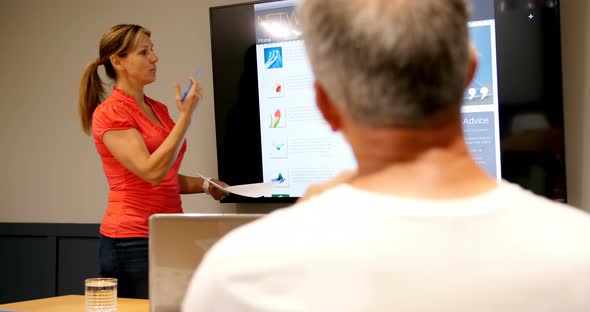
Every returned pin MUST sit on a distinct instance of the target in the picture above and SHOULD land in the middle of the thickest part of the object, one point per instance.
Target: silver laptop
(177, 243)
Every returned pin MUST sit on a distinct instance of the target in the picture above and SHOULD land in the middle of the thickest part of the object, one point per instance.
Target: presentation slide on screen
(481, 125)
(298, 146)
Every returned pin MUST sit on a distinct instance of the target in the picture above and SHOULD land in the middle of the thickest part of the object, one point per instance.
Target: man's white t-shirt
(351, 250)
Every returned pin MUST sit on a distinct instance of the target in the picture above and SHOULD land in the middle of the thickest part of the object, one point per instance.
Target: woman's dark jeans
(127, 260)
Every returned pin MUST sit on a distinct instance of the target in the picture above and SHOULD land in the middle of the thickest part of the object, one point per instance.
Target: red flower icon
(274, 119)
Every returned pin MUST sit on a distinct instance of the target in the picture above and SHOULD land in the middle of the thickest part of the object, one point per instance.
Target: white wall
(575, 32)
(51, 171)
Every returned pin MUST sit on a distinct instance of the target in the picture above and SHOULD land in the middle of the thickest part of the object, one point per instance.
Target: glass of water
(101, 294)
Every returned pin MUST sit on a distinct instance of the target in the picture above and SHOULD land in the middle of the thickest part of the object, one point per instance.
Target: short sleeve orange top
(132, 200)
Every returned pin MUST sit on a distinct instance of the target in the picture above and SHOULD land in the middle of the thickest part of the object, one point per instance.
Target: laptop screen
(177, 243)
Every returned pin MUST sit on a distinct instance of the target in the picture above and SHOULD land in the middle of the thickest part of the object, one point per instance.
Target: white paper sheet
(248, 190)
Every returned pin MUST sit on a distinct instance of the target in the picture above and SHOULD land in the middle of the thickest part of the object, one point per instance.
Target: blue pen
(197, 75)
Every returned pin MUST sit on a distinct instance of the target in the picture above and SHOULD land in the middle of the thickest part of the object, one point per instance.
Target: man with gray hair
(419, 226)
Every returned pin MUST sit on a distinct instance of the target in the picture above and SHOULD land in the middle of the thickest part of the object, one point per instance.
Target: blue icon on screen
(273, 57)
(279, 178)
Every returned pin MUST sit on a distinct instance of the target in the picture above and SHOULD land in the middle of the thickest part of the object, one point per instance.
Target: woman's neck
(135, 91)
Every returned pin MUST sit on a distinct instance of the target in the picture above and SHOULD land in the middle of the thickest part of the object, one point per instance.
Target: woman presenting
(141, 149)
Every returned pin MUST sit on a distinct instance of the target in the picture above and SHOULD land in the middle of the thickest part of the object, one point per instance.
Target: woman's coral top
(132, 200)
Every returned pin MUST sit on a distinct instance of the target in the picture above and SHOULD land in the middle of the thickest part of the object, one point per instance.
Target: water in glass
(101, 295)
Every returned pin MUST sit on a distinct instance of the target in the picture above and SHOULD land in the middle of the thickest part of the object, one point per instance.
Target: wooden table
(73, 303)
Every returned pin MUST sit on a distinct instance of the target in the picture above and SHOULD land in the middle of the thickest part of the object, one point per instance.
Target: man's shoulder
(266, 230)
(528, 202)
(550, 218)
(281, 228)
(344, 207)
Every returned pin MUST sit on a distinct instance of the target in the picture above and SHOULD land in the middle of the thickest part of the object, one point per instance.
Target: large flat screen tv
(269, 129)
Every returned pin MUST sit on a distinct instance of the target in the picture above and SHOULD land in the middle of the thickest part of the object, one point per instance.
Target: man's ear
(473, 59)
(117, 62)
(327, 107)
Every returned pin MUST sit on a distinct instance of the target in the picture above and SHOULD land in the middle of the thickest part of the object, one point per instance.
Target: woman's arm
(128, 147)
(191, 185)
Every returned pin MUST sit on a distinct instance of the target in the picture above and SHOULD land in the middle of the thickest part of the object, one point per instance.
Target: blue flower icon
(273, 57)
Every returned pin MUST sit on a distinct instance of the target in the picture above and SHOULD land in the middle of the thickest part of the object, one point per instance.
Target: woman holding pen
(141, 150)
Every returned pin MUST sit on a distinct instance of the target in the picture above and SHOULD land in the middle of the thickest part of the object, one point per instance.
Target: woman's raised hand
(192, 99)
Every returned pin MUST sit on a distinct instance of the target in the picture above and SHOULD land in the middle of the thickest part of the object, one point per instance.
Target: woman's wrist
(205, 186)
(184, 118)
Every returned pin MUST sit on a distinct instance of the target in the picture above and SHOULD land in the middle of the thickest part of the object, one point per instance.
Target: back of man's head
(389, 63)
